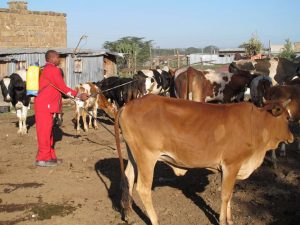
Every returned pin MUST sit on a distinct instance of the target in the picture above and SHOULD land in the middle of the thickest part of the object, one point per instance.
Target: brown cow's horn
(264, 100)
(285, 103)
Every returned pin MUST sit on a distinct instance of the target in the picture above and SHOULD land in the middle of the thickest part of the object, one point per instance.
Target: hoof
(230, 222)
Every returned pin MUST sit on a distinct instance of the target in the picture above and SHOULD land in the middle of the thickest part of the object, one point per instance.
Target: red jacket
(49, 99)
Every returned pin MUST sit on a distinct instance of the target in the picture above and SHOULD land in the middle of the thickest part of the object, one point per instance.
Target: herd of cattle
(168, 129)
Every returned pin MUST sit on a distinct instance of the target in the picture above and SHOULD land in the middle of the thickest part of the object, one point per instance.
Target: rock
(84, 160)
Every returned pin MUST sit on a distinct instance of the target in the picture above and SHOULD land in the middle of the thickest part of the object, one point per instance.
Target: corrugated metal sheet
(28, 58)
(92, 70)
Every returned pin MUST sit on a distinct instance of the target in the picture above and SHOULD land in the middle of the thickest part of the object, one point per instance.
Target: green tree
(136, 51)
(288, 51)
(253, 46)
(210, 49)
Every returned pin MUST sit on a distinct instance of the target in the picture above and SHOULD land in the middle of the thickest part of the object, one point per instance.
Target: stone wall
(21, 28)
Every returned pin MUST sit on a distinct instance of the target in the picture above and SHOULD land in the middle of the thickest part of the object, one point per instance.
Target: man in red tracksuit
(48, 102)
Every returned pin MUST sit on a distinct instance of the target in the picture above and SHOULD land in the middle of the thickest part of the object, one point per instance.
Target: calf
(13, 89)
(189, 134)
(88, 107)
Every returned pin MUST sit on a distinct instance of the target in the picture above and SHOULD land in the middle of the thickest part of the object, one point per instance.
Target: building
(22, 28)
(84, 66)
(276, 49)
(207, 59)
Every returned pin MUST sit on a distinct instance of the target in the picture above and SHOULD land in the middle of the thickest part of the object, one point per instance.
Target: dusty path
(84, 189)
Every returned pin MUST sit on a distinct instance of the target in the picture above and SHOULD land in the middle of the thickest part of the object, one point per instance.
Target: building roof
(64, 51)
(224, 50)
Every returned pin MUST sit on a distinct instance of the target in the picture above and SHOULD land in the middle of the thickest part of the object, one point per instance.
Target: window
(78, 66)
(21, 65)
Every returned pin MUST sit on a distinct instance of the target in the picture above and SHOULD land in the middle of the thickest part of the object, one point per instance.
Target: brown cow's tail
(126, 198)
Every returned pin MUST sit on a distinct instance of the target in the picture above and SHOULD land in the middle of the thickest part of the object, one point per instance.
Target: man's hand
(83, 96)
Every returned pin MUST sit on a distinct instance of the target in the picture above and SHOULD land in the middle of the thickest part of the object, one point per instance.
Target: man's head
(52, 57)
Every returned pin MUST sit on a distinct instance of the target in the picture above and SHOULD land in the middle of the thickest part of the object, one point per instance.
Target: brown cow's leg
(228, 180)
(129, 172)
(90, 119)
(95, 115)
(229, 215)
(84, 114)
(77, 115)
(144, 184)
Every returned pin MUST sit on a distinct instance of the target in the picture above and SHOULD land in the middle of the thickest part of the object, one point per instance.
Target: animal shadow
(190, 184)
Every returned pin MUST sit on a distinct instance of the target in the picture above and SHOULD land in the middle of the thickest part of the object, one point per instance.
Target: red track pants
(44, 125)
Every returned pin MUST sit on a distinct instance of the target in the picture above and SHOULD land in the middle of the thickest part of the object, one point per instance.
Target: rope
(119, 86)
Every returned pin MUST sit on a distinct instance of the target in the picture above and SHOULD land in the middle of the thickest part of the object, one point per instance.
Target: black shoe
(58, 161)
(48, 163)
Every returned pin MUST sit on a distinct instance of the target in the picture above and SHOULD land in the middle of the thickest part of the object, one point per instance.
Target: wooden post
(150, 53)
(177, 59)
(135, 61)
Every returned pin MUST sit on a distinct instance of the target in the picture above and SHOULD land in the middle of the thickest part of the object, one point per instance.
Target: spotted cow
(280, 70)
(211, 86)
(13, 89)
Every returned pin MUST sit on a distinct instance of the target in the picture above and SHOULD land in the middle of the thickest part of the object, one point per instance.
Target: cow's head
(281, 123)
(283, 93)
(6, 88)
(109, 108)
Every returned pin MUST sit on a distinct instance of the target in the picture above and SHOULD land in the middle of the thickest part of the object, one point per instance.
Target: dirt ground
(84, 188)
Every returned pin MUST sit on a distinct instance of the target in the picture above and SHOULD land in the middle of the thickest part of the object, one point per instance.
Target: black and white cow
(259, 86)
(13, 89)
(156, 81)
(120, 90)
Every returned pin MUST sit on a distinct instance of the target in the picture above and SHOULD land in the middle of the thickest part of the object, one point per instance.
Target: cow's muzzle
(7, 98)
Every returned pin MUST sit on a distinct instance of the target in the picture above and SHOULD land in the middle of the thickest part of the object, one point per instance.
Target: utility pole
(269, 48)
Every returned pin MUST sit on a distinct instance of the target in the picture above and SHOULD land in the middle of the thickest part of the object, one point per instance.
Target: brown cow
(282, 93)
(210, 86)
(187, 134)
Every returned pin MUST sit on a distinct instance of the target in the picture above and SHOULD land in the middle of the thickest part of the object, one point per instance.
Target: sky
(176, 23)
